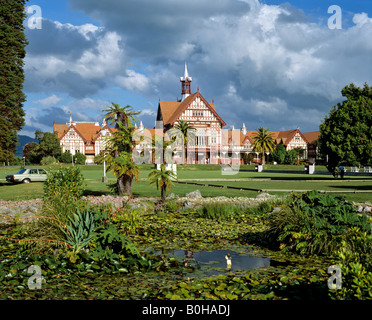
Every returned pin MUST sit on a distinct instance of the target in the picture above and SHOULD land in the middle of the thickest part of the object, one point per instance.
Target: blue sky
(266, 63)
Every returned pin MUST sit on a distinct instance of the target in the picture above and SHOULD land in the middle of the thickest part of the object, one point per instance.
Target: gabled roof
(171, 111)
(88, 131)
(242, 138)
(285, 137)
(312, 137)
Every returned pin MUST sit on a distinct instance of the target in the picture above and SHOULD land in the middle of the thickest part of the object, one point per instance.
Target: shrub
(66, 157)
(355, 261)
(79, 158)
(65, 183)
(48, 160)
(171, 206)
(313, 224)
(128, 220)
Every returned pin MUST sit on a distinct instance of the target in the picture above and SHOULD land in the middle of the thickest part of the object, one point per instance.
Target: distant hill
(23, 140)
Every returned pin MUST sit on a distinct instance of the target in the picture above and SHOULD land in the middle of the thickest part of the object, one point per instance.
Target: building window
(201, 141)
(197, 113)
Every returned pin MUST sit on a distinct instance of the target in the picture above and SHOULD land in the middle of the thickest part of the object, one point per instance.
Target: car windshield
(21, 171)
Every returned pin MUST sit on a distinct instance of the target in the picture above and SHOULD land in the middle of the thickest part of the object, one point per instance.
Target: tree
(346, 133)
(49, 144)
(162, 179)
(119, 147)
(263, 142)
(186, 129)
(12, 52)
(279, 154)
(30, 153)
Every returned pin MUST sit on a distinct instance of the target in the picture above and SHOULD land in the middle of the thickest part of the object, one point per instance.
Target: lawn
(206, 178)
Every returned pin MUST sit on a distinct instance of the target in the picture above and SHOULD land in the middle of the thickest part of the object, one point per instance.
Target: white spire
(244, 129)
(141, 126)
(186, 74)
(186, 84)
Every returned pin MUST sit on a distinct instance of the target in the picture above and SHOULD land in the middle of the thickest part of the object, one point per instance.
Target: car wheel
(26, 181)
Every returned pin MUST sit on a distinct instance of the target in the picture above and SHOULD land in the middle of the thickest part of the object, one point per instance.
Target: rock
(172, 196)
(264, 196)
(277, 209)
(360, 208)
(187, 204)
(194, 195)
(367, 209)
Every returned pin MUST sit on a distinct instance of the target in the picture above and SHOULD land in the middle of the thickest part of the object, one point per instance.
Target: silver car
(27, 176)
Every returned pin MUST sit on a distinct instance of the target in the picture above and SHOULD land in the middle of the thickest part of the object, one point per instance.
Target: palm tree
(119, 147)
(263, 142)
(116, 114)
(163, 180)
(186, 129)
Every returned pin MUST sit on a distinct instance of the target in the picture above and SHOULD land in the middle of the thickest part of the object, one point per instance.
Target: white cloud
(254, 59)
(49, 101)
(361, 18)
(88, 58)
(133, 81)
(148, 112)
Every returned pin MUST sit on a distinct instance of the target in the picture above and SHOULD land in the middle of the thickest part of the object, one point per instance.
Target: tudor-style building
(83, 137)
(211, 143)
(201, 115)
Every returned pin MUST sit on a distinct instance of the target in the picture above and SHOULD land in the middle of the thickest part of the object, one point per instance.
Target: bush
(48, 160)
(355, 261)
(171, 206)
(312, 223)
(66, 157)
(279, 154)
(128, 221)
(65, 183)
(79, 158)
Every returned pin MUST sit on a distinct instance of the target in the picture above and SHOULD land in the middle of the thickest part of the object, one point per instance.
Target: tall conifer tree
(12, 52)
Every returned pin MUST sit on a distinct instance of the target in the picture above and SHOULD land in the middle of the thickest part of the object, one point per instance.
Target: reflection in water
(219, 259)
(190, 261)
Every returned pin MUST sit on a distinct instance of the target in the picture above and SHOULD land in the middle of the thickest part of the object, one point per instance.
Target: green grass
(204, 175)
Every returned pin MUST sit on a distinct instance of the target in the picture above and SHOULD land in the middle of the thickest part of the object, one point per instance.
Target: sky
(268, 63)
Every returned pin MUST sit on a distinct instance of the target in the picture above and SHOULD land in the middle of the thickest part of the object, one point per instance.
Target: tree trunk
(124, 185)
(120, 185)
(163, 193)
(263, 158)
(128, 185)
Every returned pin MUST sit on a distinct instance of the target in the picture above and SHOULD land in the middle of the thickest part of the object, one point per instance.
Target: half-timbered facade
(84, 137)
(209, 142)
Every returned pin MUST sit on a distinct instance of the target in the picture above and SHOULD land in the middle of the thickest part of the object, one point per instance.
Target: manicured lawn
(270, 181)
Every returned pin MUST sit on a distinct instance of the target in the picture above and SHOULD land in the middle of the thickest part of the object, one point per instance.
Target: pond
(215, 262)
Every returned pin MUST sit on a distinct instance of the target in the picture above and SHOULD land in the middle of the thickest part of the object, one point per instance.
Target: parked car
(27, 176)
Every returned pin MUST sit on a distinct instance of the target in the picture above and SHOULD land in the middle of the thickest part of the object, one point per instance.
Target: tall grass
(218, 211)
